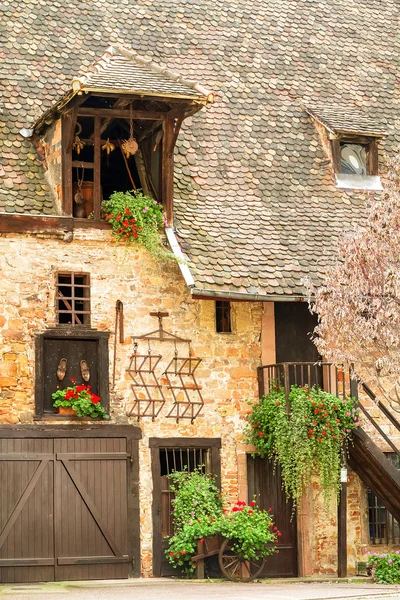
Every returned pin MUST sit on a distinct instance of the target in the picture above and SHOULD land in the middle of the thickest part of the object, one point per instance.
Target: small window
(223, 316)
(356, 164)
(383, 527)
(353, 159)
(73, 299)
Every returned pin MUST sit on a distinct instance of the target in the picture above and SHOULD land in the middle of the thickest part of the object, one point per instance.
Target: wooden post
(342, 531)
(286, 383)
(167, 169)
(68, 125)
(97, 168)
(260, 379)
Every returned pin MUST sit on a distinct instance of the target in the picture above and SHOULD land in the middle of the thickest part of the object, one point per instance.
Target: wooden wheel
(237, 568)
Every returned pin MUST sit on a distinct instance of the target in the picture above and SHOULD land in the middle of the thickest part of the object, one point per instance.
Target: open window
(115, 130)
(351, 138)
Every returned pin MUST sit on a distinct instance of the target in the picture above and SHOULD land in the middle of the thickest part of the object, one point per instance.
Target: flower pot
(66, 410)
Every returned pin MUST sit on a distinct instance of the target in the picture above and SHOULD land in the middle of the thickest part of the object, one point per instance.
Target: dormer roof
(123, 71)
(346, 120)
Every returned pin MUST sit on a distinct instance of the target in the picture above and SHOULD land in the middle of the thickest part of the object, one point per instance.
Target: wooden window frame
(371, 148)
(75, 315)
(171, 124)
(101, 337)
(214, 444)
(222, 321)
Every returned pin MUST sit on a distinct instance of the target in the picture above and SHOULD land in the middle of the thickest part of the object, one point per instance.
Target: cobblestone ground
(180, 590)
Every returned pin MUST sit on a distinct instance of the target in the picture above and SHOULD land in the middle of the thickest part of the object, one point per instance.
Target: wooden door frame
(155, 444)
(71, 333)
(131, 433)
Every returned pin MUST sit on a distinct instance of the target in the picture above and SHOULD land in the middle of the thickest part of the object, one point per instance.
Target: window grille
(178, 459)
(383, 528)
(73, 299)
(223, 316)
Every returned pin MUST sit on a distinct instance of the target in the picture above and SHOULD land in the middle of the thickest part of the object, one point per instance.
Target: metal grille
(73, 299)
(383, 528)
(178, 459)
(223, 316)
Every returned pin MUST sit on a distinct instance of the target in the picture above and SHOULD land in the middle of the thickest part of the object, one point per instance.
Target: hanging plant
(136, 218)
(312, 439)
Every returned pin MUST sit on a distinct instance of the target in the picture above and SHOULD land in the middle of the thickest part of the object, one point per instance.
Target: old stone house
(259, 126)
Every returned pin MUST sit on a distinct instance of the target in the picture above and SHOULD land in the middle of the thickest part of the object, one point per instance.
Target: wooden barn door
(266, 484)
(26, 510)
(63, 509)
(90, 509)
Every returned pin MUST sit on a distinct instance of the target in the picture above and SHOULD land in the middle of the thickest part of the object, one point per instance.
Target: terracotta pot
(66, 410)
(87, 193)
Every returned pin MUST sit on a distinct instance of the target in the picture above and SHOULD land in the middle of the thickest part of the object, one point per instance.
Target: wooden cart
(232, 564)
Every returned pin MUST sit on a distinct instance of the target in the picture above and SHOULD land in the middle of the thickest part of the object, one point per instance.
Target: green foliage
(385, 568)
(80, 399)
(312, 438)
(136, 218)
(251, 529)
(198, 514)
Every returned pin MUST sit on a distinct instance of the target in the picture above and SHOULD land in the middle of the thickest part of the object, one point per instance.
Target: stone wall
(227, 372)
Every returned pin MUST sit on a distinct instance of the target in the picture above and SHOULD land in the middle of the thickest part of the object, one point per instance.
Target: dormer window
(115, 130)
(351, 139)
(353, 159)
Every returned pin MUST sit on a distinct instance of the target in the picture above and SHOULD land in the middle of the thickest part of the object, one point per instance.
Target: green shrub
(385, 567)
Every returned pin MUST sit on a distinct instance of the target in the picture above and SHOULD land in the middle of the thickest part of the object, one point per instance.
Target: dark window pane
(223, 316)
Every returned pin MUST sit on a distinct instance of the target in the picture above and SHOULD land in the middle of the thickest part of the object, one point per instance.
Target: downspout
(176, 249)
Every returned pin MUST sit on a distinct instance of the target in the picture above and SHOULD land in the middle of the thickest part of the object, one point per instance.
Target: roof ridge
(115, 49)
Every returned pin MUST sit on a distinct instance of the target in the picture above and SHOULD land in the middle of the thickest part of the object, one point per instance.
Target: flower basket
(79, 400)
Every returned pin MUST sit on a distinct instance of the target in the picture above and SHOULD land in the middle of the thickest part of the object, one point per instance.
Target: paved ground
(181, 590)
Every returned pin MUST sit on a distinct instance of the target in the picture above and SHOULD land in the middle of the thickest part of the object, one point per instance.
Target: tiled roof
(255, 199)
(347, 119)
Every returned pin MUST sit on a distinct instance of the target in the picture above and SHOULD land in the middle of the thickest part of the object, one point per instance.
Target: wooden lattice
(148, 393)
(186, 392)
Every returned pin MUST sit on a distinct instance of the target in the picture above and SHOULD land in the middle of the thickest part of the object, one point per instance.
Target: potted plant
(137, 218)
(80, 401)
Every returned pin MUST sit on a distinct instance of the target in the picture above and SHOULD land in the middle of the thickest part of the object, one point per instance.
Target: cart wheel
(237, 568)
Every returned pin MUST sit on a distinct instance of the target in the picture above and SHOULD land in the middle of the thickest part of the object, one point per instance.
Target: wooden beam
(335, 145)
(167, 169)
(14, 223)
(97, 168)
(81, 164)
(68, 123)
(120, 113)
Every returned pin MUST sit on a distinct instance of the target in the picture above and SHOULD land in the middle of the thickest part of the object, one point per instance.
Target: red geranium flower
(260, 433)
(73, 379)
(125, 223)
(95, 399)
(252, 503)
(80, 388)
